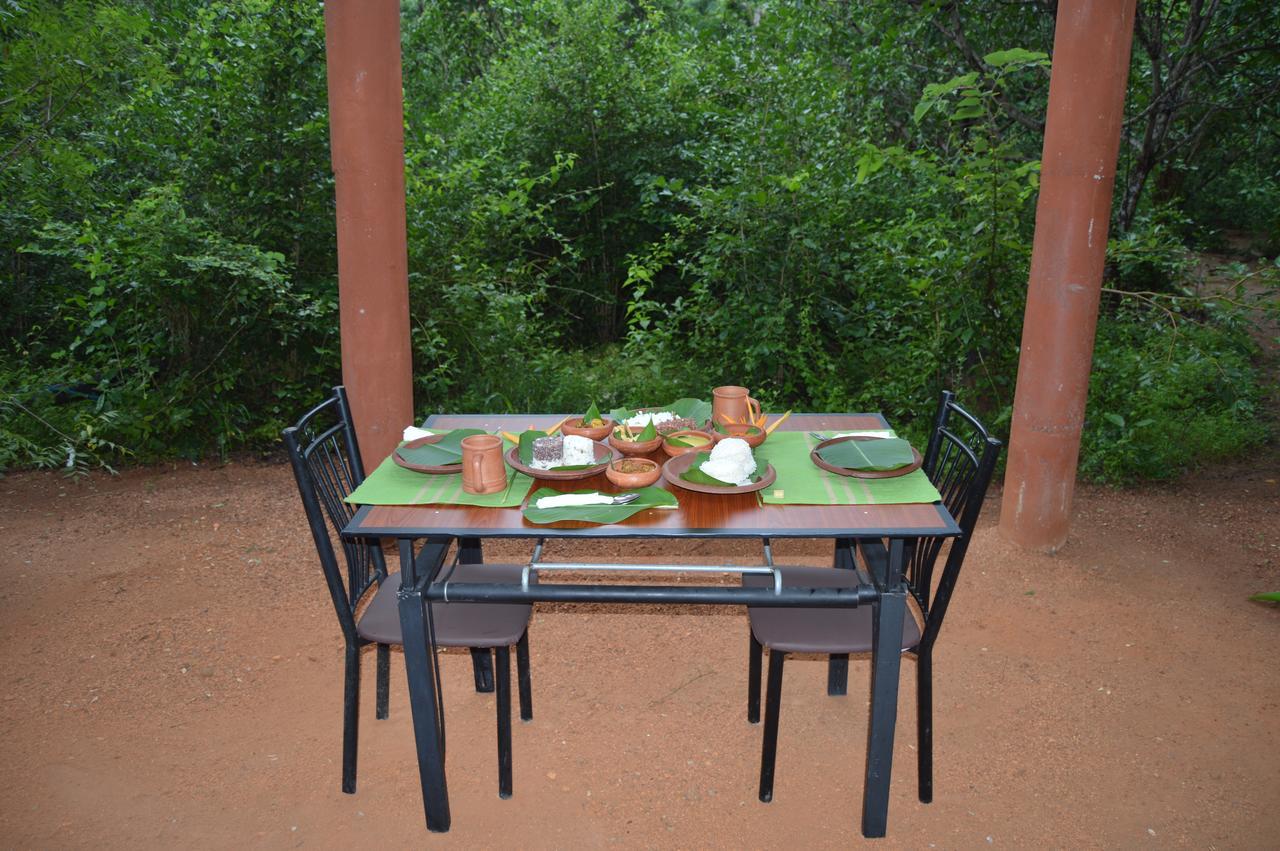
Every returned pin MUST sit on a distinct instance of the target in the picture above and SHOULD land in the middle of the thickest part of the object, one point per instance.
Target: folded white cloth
(884, 432)
(574, 499)
(413, 433)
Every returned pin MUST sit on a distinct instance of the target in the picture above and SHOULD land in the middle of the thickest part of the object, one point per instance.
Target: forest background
(621, 202)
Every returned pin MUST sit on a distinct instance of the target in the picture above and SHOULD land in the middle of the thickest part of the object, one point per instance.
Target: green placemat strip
(392, 484)
(650, 497)
(801, 483)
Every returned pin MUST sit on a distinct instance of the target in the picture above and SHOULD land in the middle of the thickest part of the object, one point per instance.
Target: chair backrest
(327, 465)
(960, 459)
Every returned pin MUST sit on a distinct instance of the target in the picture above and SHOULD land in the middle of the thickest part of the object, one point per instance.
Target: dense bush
(612, 202)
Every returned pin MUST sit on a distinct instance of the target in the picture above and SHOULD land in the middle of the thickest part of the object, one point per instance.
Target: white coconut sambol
(731, 461)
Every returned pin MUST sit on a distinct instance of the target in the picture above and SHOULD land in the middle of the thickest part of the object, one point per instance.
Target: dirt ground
(172, 678)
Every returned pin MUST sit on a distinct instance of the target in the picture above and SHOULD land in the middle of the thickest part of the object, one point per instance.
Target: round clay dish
(603, 456)
(424, 468)
(650, 475)
(915, 464)
(673, 451)
(589, 432)
(632, 447)
(740, 430)
(672, 469)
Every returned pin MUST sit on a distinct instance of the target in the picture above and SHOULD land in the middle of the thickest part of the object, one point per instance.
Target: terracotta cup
(482, 467)
(732, 403)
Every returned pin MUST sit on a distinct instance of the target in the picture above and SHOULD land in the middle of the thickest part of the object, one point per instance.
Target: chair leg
(482, 668)
(502, 683)
(838, 675)
(384, 681)
(924, 724)
(772, 703)
(523, 678)
(350, 718)
(754, 657)
(838, 663)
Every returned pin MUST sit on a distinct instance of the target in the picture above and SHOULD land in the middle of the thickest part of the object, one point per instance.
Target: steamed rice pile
(569, 450)
(731, 461)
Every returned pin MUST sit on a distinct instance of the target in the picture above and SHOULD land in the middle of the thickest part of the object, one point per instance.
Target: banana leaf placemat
(801, 483)
(392, 484)
(650, 497)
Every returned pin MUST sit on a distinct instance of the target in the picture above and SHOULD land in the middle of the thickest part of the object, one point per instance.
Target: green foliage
(831, 203)
(1167, 398)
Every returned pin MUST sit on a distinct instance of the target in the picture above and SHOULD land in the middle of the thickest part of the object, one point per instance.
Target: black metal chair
(327, 465)
(960, 467)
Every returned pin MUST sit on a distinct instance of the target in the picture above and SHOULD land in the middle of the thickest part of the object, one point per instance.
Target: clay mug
(482, 467)
(732, 404)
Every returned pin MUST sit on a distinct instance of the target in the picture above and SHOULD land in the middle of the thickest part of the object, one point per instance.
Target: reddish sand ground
(172, 678)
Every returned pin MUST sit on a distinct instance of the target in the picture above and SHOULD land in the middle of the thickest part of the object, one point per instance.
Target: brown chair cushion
(457, 624)
(819, 630)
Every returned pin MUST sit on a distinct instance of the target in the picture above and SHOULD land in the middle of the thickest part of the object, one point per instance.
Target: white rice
(643, 418)
(578, 450)
(731, 461)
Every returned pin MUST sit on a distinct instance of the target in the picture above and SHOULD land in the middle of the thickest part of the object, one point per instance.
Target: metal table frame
(882, 587)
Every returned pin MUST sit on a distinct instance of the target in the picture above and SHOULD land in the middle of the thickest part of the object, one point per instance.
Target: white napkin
(885, 432)
(573, 499)
(413, 433)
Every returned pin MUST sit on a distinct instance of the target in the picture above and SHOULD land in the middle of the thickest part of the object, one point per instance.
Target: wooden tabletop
(699, 515)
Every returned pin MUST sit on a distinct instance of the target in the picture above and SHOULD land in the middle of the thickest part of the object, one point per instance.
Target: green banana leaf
(870, 455)
(650, 497)
(1267, 597)
(694, 473)
(593, 413)
(695, 409)
(526, 452)
(753, 431)
(447, 450)
(677, 442)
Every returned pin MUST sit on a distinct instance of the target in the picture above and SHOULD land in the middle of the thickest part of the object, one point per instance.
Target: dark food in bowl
(677, 424)
(633, 465)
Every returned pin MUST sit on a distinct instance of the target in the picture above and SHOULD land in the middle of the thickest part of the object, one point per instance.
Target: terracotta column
(1082, 137)
(366, 121)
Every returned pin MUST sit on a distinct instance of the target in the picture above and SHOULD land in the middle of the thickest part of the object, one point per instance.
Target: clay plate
(424, 468)
(863, 474)
(603, 455)
(672, 469)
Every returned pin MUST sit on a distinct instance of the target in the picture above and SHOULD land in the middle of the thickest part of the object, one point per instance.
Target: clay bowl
(673, 451)
(751, 434)
(648, 476)
(589, 432)
(634, 447)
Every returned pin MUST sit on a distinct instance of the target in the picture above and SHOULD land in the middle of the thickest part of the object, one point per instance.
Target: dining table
(881, 530)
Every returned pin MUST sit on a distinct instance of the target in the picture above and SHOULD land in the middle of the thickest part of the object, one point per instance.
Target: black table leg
(471, 552)
(425, 699)
(838, 663)
(886, 662)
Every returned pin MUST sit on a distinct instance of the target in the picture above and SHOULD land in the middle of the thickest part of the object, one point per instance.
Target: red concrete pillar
(366, 131)
(1082, 137)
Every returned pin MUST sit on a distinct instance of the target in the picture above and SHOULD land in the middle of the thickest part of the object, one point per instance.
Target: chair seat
(456, 624)
(819, 630)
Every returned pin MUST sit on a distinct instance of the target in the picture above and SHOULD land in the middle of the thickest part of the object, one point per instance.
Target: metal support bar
(791, 597)
(535, 566)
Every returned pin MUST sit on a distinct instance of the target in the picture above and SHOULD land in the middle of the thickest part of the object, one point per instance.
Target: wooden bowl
(673, 451)
(589, 432)
(651, 473)
(633, 447)
(741, 430)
